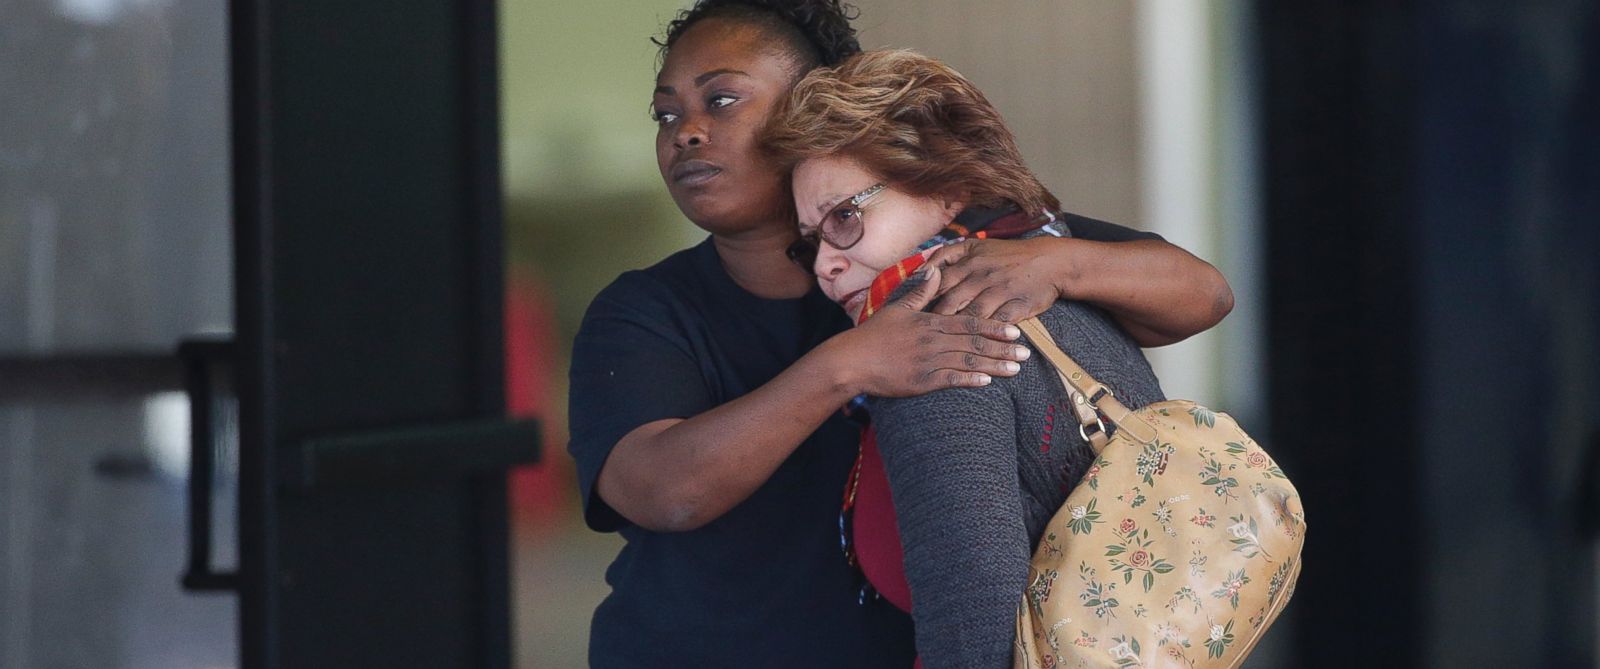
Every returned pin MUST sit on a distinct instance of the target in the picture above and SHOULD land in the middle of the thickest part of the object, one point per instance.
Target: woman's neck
(757, 261)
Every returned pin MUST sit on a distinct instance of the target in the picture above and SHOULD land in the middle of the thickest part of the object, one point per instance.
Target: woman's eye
(844, 214)
(661, 116)
(718, 101)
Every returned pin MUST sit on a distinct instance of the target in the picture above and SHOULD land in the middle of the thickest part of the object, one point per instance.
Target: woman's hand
(1006, 280)
(902, 351)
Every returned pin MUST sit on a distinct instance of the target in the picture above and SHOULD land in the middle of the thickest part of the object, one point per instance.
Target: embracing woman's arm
(1157, 292)
(679, 474)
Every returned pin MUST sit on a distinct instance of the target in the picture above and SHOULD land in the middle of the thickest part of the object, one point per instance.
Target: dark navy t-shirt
(765, 584)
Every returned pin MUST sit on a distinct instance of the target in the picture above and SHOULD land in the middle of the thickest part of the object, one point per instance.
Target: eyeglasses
(841, 228)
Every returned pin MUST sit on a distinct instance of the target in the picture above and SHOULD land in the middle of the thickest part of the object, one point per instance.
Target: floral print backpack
(1179, 548)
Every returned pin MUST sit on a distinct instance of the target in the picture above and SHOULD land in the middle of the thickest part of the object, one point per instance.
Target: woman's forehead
(835, 171)
(716, 44)
(820, 183)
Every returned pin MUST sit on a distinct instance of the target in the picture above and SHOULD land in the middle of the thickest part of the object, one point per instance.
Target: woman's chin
(719, 216)
(705, 212)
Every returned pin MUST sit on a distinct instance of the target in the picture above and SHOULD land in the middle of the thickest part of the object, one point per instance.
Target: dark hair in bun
(815, 32)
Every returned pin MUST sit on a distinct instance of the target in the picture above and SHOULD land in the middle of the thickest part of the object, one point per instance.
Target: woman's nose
(692, 132)
(830, 263)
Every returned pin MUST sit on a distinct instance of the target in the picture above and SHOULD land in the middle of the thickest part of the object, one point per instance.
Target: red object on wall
(539, 493)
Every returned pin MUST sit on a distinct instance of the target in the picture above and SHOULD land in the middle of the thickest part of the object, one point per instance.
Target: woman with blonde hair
(895, 155)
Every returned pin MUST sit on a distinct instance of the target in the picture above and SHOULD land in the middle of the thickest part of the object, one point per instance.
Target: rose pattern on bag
(1134, 544)
(1235, 571)
(1256, 459)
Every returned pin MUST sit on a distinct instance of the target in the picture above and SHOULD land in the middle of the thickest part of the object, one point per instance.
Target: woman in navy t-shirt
(706, 389)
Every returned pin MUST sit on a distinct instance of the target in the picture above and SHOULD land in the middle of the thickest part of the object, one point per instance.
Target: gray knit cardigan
(977, 473)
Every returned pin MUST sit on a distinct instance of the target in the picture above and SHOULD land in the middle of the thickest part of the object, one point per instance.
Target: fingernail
(1023, 353)
(983, 379)
(1013, 332)
(1012, 367)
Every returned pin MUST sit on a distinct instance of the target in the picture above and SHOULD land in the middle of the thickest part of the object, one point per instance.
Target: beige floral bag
(1179, 548)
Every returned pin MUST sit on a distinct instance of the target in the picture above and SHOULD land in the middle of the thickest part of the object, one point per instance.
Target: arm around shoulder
(1159, 293)
(683, 472)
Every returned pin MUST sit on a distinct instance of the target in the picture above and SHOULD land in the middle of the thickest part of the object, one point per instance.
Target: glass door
(114, 244)
(305, 195)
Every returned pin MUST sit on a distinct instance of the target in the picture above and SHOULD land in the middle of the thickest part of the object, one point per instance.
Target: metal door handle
(408, 454)
(198, 357)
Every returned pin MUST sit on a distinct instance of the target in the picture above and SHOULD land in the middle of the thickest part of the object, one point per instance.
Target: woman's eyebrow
(702, 79)
(830, 202)
(708, 76)
(822, 209)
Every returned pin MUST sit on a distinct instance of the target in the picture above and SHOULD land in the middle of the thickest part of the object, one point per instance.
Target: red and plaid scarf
(973, 223)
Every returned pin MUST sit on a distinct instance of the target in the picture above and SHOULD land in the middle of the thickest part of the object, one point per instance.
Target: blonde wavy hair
(911, 120)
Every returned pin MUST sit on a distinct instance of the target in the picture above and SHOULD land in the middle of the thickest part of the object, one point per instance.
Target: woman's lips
(853, 302)
(691, 173)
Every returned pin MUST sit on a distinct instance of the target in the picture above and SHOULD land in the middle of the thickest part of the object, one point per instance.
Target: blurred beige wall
(1064, 74)
(1116, 106)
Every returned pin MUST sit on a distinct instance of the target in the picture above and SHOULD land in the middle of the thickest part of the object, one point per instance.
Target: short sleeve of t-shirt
(1083, 227)
(632, 364)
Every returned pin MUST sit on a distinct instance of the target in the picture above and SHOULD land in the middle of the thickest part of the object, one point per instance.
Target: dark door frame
(318, 89)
